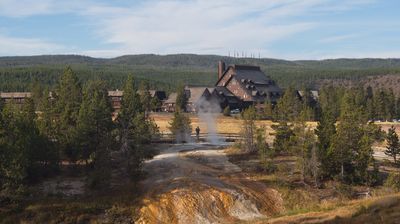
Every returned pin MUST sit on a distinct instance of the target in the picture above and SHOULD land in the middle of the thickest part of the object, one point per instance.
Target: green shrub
(345, 191)
(393, 181)
(227, 111)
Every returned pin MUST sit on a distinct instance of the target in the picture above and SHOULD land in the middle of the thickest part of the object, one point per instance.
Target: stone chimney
(221, 68)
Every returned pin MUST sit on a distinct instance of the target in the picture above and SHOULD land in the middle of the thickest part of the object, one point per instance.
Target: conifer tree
(227, 111)
(302, 144)
(94, 120)
(134, 128)
(325, 132)
(265, 153)
(180, 127)
(283, 133)
(393, 144)
(68, 98)
(268, 110)
(181, 98)
(289, 106)
(249, 129)
(23, 151)
(350, 151)
(145, 97)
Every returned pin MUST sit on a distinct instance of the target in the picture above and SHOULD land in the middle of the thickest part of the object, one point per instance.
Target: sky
(285, 29)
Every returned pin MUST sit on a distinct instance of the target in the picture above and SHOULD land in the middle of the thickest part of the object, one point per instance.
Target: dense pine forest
(164, 72)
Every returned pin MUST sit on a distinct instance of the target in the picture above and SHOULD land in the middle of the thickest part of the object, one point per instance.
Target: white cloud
(25, 46)
(206, 27)
(178, 26)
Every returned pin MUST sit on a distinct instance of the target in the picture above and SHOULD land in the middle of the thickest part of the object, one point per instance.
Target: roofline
(223, 74)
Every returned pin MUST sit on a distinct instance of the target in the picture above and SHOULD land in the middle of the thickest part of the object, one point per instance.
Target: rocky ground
(195, 183)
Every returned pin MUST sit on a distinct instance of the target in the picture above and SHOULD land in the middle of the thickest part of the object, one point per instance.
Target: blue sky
(287, 29)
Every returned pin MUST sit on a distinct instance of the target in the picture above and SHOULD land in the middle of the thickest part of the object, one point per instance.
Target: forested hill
(16, 73)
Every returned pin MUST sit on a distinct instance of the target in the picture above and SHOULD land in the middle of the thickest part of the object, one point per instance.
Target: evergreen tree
(145, 97)
(268, 110)
(94, 120)
(380, 105)
(350, 151)
(302, 144)
(24, 153)
(390, 105)
(393, 144)
(181, 98)
(227, 111)
(289, 106)
(249, 129)
(283, 133)
(180, 127)
(397, 108)
(134, 128)
(325, 131)
(330, 99)
(264, 151)
(155, 104)
(68, 98)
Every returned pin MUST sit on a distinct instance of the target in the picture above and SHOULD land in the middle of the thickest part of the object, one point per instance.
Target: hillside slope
(166, 71)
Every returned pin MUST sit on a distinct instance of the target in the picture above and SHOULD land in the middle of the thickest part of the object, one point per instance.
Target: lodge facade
(237, 87)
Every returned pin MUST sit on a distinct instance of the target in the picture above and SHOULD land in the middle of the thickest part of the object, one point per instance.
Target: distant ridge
(16, 72)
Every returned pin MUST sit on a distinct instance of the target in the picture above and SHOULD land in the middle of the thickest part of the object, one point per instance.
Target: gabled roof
(171, 98)
(195, 93)
(223, 92)
(251, 73)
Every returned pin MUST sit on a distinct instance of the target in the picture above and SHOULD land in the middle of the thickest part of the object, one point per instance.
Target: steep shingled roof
(195, 93)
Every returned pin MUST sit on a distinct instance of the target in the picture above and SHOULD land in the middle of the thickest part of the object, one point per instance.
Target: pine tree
(268, 110)
(181, 99)
(325, 131)
(134, 128)
(380, 105)
(180, 127)
(346, 140)
(398, 108)
(94, 120)
(227, 111)
(302, 144)
(145, 97)
(249, 129)
(393, 144)
(265, 153)
(95, 127)
(283, 133)
(390, 105)
(68, 98)
(350, 151)
(23, 151)
(289, 106)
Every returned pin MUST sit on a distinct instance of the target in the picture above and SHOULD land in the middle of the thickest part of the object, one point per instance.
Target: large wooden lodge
(237, 87)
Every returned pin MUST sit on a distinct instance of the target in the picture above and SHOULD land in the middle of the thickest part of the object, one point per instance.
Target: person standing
(198, 133)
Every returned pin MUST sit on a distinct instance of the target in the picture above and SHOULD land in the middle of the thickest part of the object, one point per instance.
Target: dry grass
(225, 125)
(375, 210)
(306, 204)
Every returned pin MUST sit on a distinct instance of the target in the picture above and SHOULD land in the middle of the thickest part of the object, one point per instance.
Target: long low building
(114, 95)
